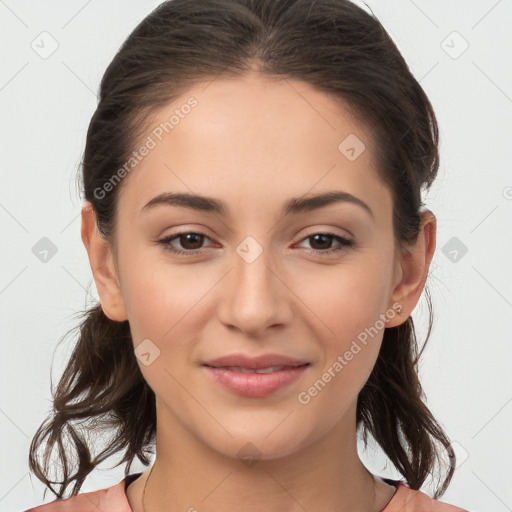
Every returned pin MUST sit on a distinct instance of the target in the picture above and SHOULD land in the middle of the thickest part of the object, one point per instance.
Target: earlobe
(412, 269)
(101, 260)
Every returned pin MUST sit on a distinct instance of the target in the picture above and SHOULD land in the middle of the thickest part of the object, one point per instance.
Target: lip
(223, 372)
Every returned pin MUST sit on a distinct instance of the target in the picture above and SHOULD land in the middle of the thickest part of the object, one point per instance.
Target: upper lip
(263, 361)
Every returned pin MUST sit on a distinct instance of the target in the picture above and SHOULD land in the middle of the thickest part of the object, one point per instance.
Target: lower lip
(255, 384)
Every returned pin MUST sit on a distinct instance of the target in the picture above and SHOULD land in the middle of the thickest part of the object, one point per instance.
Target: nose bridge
(256, 297)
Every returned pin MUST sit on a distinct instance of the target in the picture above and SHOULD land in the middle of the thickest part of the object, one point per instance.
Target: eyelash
(345, 243)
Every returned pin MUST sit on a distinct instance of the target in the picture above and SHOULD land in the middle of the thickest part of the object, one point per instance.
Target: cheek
(160, 297)
(350, 350)
(161, 307)
(348, 299)
(153, 308)
(347, 305)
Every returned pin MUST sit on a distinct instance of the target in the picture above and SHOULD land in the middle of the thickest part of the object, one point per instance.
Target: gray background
(46, 102)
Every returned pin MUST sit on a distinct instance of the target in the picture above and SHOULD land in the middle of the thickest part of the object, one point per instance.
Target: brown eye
(191, 243)
(321, 243)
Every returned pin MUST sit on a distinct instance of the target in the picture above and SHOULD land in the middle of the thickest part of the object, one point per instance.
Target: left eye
(192, 238)
(196, 239)
(321, 237)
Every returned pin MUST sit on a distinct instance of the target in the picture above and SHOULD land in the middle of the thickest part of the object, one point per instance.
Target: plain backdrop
(53, 55)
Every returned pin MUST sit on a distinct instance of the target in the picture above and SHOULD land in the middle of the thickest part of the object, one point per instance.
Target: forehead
(253, 137)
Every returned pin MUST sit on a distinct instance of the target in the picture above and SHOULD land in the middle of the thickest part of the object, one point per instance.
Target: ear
(411, 269)
(104, 271)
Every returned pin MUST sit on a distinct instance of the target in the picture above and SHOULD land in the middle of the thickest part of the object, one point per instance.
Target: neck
(326, 475)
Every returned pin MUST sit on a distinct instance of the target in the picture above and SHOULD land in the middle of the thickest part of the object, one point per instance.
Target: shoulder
(111, 499)
(408, 500)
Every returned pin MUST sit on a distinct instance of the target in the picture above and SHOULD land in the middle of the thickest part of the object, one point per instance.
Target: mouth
(250, 381)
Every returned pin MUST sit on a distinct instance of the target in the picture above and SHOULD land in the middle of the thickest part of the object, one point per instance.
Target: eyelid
(190, 228)
(315, 230)
(343, 243)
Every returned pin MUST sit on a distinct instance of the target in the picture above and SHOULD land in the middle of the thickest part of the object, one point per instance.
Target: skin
(254, 143)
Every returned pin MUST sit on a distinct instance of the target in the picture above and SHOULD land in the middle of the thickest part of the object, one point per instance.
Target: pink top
(113, 499)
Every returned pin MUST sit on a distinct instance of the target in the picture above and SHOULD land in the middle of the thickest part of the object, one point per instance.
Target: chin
(250, 444)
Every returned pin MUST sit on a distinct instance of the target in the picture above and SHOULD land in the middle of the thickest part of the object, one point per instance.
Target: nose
(255, 295)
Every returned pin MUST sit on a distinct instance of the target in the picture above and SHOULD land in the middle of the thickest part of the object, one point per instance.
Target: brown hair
(343, 51)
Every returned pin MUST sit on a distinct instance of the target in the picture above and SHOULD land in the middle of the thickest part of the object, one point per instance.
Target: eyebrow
(294, 205)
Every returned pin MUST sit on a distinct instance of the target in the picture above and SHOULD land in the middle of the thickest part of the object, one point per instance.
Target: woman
(232, 138)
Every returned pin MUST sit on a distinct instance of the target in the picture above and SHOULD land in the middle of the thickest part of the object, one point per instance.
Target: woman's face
(259, 281)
